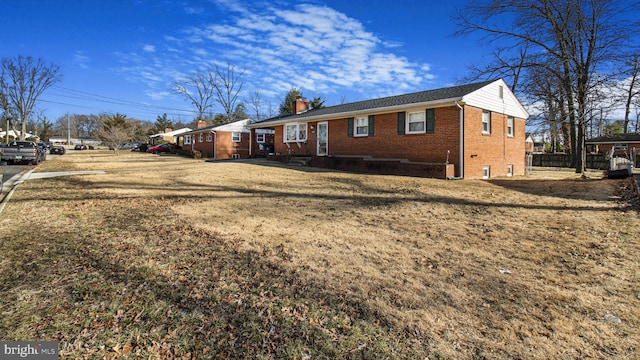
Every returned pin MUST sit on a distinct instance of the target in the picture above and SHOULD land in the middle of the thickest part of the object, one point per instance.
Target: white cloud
(315, 48)
(81, 60)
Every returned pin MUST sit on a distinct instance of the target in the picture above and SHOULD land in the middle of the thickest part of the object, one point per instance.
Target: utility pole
(68, 130)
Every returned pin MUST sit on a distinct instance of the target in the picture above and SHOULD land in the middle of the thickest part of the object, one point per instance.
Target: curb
(22, 177)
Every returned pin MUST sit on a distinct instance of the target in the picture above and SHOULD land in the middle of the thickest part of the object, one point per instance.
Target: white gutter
(461, 140)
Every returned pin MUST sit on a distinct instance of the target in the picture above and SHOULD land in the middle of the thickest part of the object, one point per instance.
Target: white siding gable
(488, 98)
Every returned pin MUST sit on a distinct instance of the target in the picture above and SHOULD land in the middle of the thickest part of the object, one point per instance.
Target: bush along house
(473, 131)
(227, 141)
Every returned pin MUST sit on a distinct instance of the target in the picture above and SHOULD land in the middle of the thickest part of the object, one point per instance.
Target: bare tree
(255, 101)
(115, 130)
(572, 39)
(632, 89)
(228, 86)
(22, 81)
(200, 89)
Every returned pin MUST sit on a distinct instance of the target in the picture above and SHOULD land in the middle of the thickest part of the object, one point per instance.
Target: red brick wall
(226, 147)
(385, 143)
(204, 146)
(496, 150)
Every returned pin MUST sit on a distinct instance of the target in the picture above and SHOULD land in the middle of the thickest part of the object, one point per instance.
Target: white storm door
(323, 136)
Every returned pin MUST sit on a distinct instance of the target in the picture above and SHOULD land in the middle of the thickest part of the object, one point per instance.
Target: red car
(163, 148)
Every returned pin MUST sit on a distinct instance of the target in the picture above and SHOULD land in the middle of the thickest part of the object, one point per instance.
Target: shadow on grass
(182, 191)
(176, 291)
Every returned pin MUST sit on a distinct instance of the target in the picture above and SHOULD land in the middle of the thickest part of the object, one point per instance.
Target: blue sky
(122, 55)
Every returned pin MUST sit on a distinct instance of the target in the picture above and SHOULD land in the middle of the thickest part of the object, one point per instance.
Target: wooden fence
(594, 161)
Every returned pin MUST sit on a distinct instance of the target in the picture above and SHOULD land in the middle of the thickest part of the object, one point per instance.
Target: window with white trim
(361, 125)
(510, 170)
(486, 122)
(295, 132)
(200, 138)
(208, 137)
(187, 139)
(486, 172)
(236, 136)
(416, 122)
(510, 130)
(260, 138)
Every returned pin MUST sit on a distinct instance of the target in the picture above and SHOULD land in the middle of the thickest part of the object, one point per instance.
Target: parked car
(22, 151)
(135, 145)
(58, 150)
(163, 148)
(80, 147)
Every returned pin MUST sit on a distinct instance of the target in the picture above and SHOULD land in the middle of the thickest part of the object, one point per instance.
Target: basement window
(510, 170)
(486, 172)
(295, 132)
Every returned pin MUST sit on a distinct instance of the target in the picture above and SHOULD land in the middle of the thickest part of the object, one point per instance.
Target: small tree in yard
(115, 130)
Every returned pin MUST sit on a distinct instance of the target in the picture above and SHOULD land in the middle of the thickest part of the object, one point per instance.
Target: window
(295, 133)
(200, 138)
(510, 131)
(209, 137)
(260, 138)
(500, 92)
(509, 170)
(187, 139)
(236, 136)
(416, 123)
(486, 172)
(486, 122)
(362, 126)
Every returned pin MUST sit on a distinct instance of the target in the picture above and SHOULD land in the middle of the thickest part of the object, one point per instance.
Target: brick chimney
(201, 124)
(300, 105)
(168, 130)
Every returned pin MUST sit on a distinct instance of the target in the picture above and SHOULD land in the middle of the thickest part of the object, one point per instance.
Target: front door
(323, 135)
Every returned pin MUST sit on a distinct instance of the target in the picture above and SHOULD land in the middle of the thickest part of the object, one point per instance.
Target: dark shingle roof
(615, 138)
(390, 101)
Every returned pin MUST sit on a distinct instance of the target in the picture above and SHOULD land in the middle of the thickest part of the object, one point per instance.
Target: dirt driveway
(255, 259)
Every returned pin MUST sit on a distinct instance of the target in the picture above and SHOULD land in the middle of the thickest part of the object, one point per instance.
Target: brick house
(469, 131)
(619, 142)
(227, 141)
(168, 135)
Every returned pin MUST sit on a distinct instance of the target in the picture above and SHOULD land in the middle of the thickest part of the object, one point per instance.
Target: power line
(141, 109)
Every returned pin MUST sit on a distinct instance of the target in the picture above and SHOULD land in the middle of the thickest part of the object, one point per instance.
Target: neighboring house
(227, 141)
(619, 142)
(472, 131)
(533, 146)
(168, 135)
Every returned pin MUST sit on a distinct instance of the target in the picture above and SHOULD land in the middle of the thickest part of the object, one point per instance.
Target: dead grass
(167, 256)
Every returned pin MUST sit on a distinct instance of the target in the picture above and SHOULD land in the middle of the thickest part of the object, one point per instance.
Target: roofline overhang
(346, 114)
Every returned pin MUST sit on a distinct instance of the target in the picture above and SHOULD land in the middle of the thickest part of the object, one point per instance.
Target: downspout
(250, 142)
(215, 144)
(461, 175)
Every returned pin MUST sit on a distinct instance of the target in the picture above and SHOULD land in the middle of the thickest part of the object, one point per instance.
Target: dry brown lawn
(165, 256)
